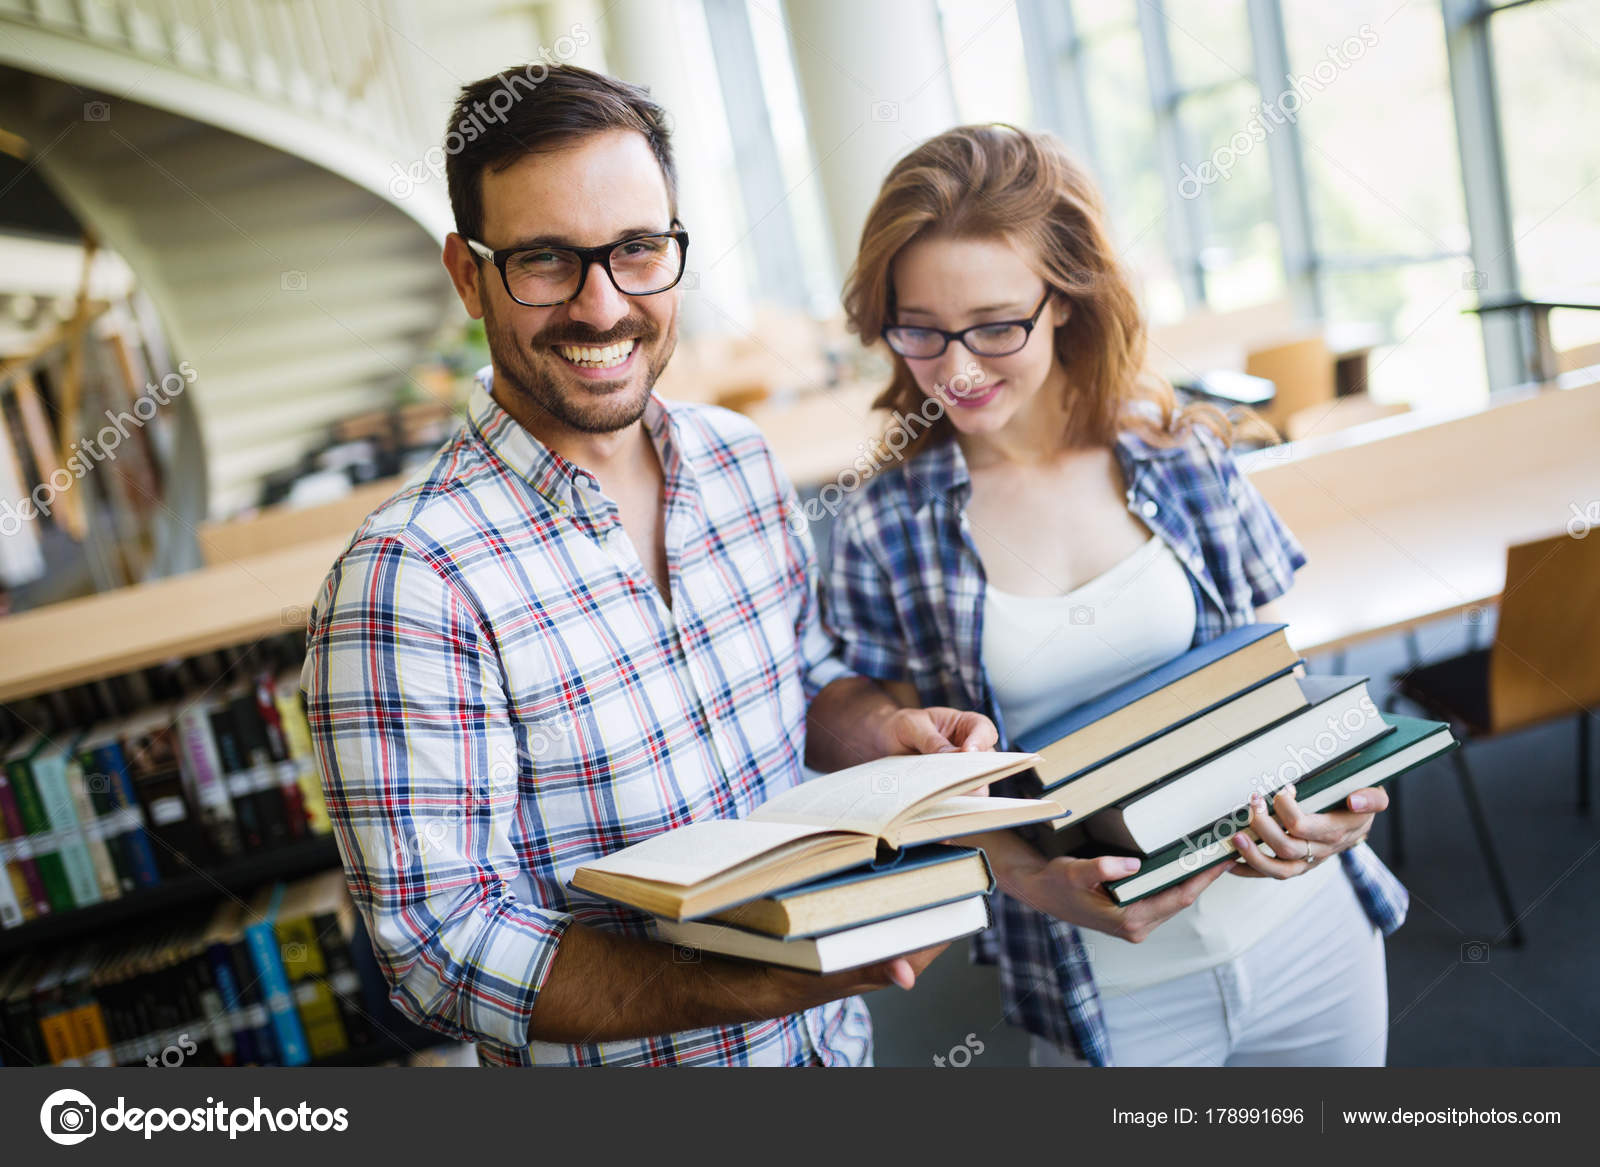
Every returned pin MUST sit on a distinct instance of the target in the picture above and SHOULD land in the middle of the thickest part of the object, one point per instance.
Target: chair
(1544, 664)
(1303, 372)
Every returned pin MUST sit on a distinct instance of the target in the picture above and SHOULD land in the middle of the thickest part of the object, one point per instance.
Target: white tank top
(1046, 654)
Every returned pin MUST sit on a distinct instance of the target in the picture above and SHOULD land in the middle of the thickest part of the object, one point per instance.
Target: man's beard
(524, 370)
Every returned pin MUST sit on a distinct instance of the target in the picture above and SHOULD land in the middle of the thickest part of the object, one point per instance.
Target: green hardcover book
(96, 832)
(1413, 742)
(46, 853)
(95, 786)
(50, 774)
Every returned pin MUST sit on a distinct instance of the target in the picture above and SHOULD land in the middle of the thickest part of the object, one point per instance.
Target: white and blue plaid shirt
(906, 598)
(498, 694)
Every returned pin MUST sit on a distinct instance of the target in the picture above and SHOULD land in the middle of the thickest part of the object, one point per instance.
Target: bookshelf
(131, 628)
(284, 527)
(234, 877)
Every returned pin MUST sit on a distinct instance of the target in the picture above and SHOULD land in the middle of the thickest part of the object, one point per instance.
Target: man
(583, 623)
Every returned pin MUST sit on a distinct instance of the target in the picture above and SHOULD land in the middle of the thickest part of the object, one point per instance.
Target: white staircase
(240, 157)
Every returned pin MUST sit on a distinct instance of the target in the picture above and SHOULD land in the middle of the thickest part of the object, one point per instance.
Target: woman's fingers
(1322, 828)
(1250, 851)
(1368, 800)
(1283, 844)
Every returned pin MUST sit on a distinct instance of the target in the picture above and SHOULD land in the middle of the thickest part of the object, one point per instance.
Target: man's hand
(937, 730)
(1301, 841)
(794, 991)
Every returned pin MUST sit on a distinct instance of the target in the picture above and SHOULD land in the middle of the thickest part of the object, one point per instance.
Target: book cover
(255, 755)
(232, 1002)
(180, 842)
(307, 972)
(46, 857)
(261, 937)
(21, 869)
(251, 1000)
(286, 772)
(96, 830)
(237, 777)
(879, 890)
(122, 798)
(297, 739)
(1161, 677)
(55, 800)
(1339, 719)
(108, 825)
(1411, 742)
(11, 913)
(205, 780)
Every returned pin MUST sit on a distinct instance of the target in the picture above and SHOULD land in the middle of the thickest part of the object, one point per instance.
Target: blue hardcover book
(913, 878)
(220, 934)
(133, 839)
(262, 937)
(1164, 698)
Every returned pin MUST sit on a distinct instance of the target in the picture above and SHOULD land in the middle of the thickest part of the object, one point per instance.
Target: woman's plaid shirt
(905, 595)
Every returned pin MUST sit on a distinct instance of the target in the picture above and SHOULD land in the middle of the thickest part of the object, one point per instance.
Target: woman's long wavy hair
(998, 181)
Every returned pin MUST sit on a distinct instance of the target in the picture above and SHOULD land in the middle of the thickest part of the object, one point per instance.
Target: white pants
(1313, 993)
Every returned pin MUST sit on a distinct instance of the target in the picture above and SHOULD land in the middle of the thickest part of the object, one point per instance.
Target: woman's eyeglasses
(999, 338)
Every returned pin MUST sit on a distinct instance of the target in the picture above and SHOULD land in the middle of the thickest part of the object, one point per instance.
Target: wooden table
(1408, 519)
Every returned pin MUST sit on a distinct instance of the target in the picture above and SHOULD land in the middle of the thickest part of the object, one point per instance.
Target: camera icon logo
(96, 111)
(68, 1117)
(886, 111)
(1475, 952)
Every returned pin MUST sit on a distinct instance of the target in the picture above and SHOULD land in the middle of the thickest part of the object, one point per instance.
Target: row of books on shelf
(855, 867)
(271, 983)
(88, 815)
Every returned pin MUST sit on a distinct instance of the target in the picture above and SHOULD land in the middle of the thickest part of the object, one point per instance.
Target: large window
(1384, 182)
(1253, 151)
(1547, 65)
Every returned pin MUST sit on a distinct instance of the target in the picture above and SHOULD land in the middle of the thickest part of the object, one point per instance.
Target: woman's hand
(1071, 890)
(1301, 841)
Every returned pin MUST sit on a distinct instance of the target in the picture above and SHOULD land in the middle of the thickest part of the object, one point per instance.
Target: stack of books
(274, 984)
(89, 815)
(1163, 767)
(841, 871)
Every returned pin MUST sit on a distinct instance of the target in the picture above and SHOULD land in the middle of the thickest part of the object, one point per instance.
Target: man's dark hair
(549, 107)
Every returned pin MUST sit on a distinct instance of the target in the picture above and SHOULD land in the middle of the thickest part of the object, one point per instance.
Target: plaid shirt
(906, 597)
(498, 694)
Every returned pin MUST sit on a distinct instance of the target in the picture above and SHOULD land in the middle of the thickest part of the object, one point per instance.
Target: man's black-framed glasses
(542, 277)
(998, 338)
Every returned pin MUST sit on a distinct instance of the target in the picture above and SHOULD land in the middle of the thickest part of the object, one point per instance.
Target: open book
(825, 825)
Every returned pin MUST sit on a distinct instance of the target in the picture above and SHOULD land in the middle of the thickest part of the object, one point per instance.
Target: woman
(1062, 529)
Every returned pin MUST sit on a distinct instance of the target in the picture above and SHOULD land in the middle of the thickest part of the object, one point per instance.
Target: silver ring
(1309, 858)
